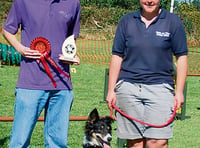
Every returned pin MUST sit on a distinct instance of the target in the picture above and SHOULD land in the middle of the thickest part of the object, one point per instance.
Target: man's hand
(71, 63)
(29, 53)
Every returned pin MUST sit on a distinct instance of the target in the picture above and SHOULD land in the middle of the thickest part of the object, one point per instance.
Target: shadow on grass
(182, 118)
(187, 117)
(4, 141)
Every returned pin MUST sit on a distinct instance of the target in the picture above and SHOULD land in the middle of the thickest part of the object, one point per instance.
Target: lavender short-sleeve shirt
(54, 20)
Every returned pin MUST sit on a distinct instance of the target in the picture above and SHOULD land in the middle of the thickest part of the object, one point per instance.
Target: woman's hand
(111, 99)
(179, 99)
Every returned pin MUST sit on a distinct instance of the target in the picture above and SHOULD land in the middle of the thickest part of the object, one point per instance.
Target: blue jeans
(28, 106)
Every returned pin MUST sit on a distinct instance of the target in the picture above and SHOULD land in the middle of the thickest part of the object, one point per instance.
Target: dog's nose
(109, 139)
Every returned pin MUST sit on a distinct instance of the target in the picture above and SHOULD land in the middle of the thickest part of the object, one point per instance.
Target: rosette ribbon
(43, 46)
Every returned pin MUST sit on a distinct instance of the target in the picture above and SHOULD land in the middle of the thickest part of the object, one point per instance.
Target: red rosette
(41, 44)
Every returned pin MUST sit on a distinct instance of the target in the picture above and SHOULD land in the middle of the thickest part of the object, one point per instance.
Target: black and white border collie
(97, 131)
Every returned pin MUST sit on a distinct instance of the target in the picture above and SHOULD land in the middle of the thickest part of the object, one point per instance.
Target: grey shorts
(153, 104)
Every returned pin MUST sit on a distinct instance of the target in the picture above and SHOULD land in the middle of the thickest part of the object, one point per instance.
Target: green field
(88, 84)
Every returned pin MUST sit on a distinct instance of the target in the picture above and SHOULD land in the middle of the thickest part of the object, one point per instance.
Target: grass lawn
(88, 82)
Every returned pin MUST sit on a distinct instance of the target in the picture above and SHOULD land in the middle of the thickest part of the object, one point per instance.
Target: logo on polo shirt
(162, 34)
(63, 13)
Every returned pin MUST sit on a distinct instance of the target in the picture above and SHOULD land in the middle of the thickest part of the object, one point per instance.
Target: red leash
(152, 125)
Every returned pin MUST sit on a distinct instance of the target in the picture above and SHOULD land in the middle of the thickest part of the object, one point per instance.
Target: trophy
(69, 50)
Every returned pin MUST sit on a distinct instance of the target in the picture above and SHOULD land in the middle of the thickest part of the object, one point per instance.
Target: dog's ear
(94, 115)
(109, 120)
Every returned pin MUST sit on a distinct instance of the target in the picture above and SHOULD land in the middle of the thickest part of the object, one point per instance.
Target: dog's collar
(102, 142)
(94, 143)
(92, 146)
(97, 143)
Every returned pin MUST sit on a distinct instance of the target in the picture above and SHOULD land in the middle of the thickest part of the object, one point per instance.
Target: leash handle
(111, 113)
(152, 125)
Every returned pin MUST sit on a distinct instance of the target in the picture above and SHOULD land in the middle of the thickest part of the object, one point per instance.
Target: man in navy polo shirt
(53, 20)
(141, 73)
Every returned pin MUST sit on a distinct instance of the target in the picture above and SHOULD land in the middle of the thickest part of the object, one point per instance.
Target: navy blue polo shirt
(148, 52)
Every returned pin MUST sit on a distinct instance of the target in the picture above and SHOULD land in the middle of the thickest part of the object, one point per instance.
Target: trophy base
(68, 59)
